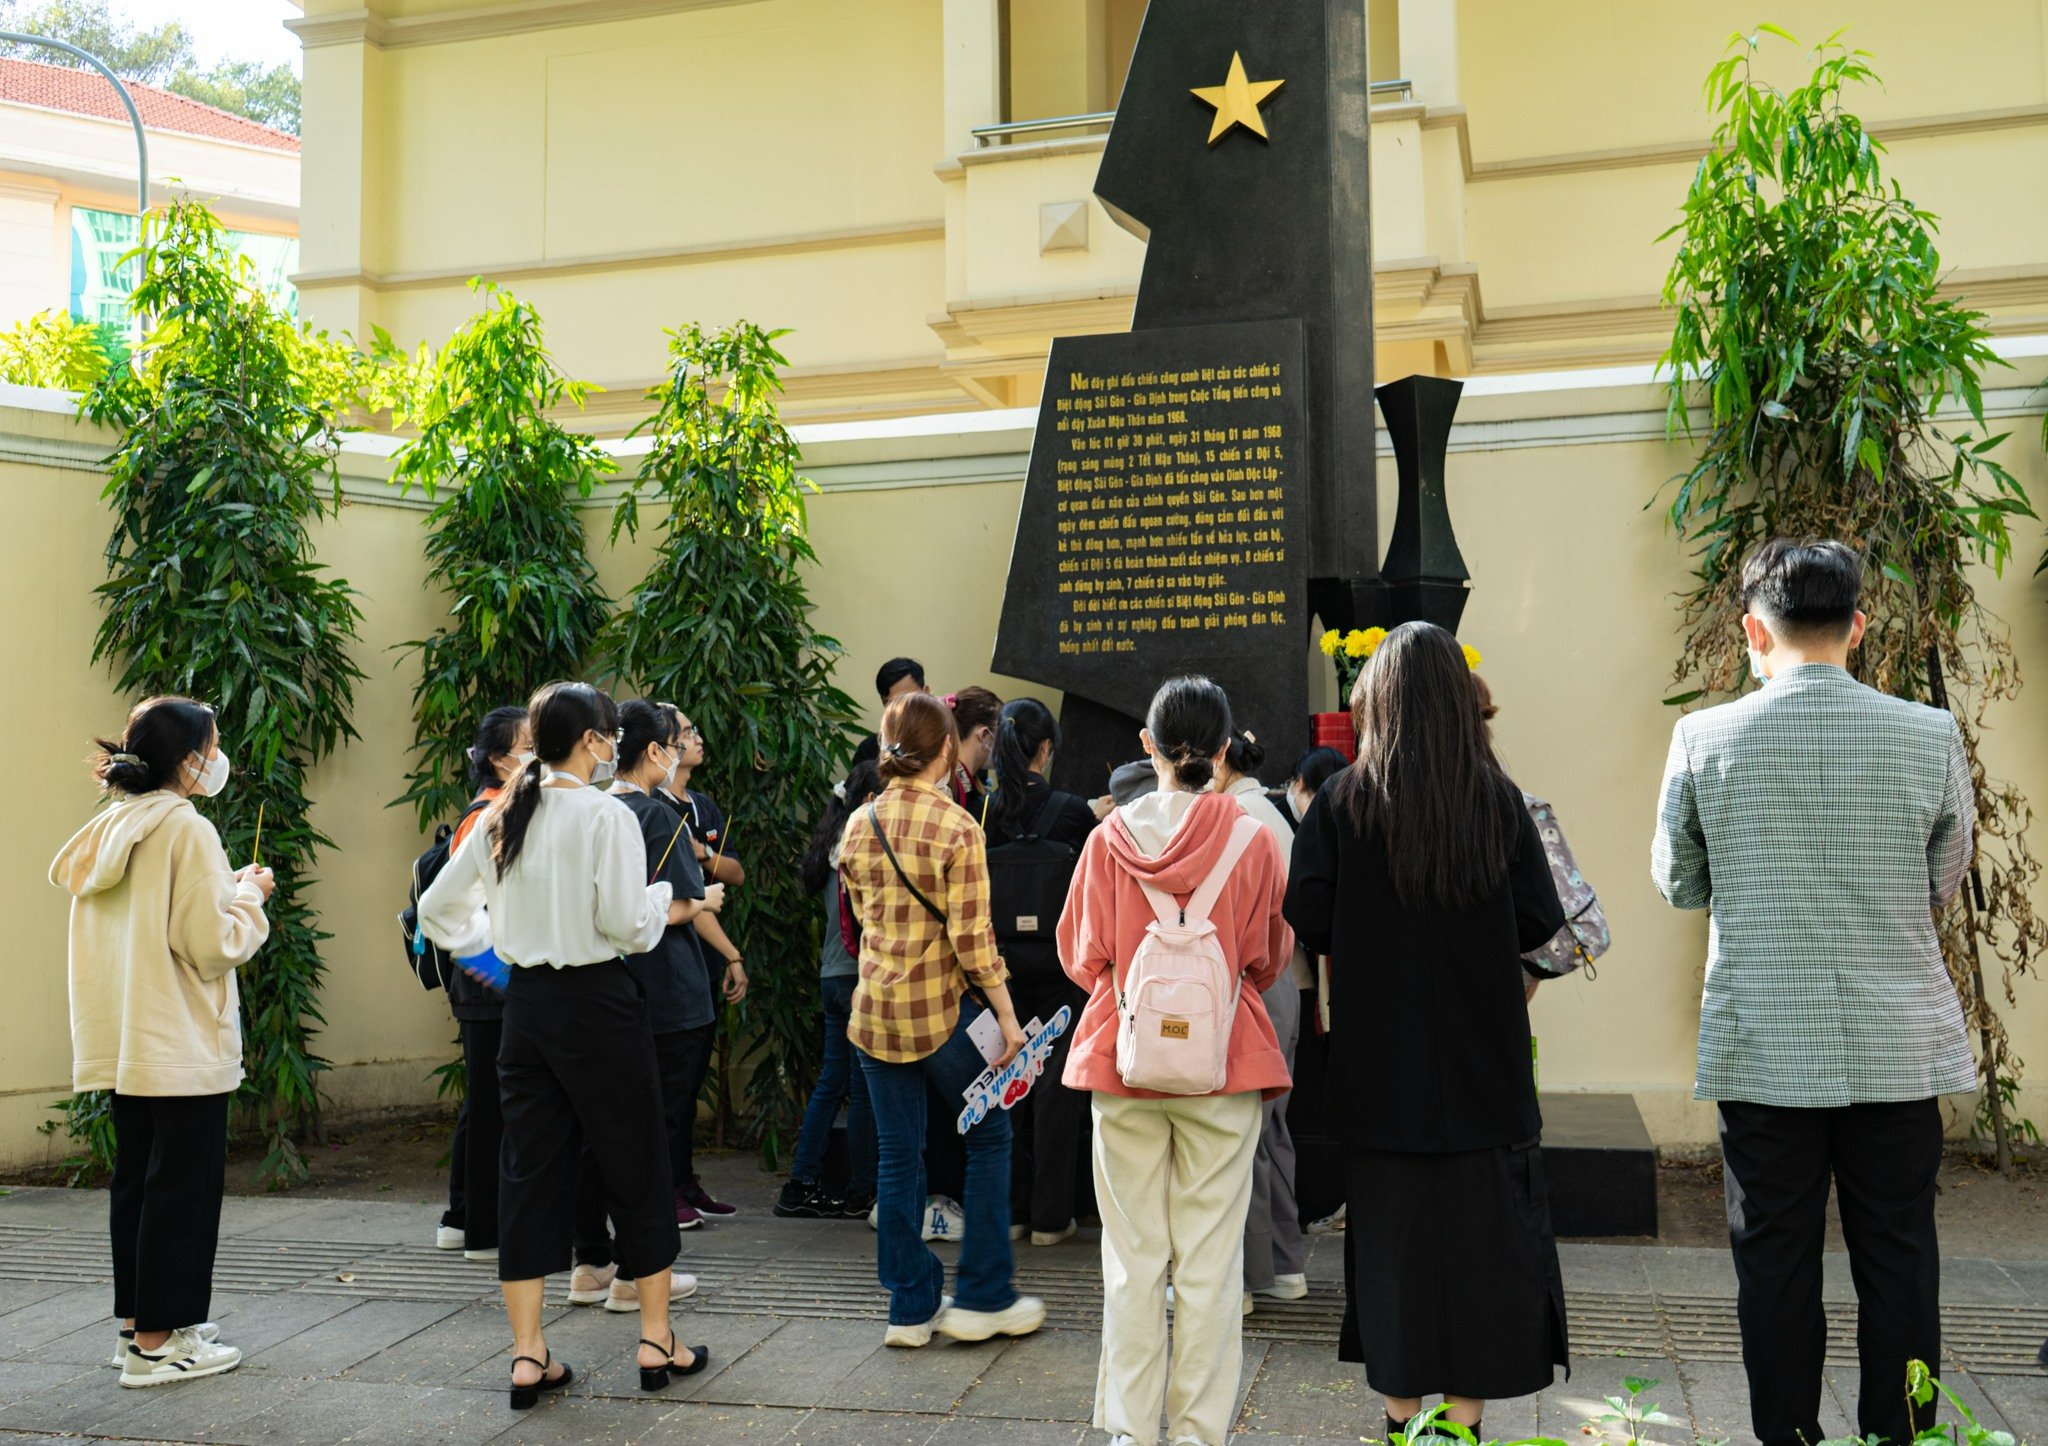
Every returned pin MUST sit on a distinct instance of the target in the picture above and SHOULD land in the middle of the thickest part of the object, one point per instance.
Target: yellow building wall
(1573, 609)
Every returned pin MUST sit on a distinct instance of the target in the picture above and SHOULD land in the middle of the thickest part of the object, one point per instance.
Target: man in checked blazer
(1825, 825)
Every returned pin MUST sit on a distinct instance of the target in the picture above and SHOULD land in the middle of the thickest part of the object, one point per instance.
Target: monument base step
(1599, 1164)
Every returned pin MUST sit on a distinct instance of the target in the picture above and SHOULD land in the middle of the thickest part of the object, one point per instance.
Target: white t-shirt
(577, 893)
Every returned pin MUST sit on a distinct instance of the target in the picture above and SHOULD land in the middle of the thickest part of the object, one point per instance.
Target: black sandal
(524, 1398)
(654, 1378)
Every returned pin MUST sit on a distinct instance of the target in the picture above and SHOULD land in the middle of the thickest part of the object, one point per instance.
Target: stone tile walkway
(356, 1330)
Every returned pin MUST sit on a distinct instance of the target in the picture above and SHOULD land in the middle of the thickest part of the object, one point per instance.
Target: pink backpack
(1178, 999)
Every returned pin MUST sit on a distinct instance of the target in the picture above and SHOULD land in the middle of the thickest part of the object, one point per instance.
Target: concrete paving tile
(255, 1323)
(1716, 1401)
(86, 1346)
(1045, 1377)
(35, 1325)
(2029, 1278)
(1325, 1257)
(15, 1294)
(1304, 1390)
(1970, 1390)
(74, 1405)
(1563, 1409)
(802, 1364)
(57, 1209)
(1838, 1404)
(361, 1222)
(825, 1427)
(21, 1379)
(341, 1341)
(450, 1348)
(929, 1380)
(2023, 1402)
(204, 1410)
(1603, 1268)
(1975, 1282)
(987, 1431)
(1689, 1271)
(695, 1423)
(450, 1416)
(581, 1421)
(325, 1413)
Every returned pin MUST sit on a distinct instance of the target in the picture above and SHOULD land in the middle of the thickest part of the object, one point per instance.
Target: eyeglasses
(691, 730)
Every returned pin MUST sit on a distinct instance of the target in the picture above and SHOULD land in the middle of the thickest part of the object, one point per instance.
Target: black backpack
(423, 956)
(1028, 879)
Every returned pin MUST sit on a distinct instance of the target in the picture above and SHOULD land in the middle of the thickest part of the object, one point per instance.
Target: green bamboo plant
(721, 627)
(1808, 320)
(505, 544)
(226, 458)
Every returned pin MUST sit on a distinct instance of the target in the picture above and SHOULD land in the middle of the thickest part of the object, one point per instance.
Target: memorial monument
(1203, 486)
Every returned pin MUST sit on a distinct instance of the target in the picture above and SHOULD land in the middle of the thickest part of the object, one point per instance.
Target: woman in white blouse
(555, 882)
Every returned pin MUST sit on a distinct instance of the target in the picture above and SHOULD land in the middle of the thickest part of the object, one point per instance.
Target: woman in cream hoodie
(160, 921)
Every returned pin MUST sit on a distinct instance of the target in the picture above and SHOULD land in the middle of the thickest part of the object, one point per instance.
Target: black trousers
(479, 1137)
(1883, 1159)
(679, 1058)
(577, 1067)
(163, 1214)
(1045, 1128)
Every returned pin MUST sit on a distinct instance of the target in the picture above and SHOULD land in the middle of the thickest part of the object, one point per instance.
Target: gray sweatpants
(1272, 1226)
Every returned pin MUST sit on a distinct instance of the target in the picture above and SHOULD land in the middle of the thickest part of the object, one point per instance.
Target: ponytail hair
(561, 714)
(161, 734)
(973, 708)
(1189, 721)
(1247, 755)
(917, 731)
(1025, 726)
(862, 784)
(495, 736)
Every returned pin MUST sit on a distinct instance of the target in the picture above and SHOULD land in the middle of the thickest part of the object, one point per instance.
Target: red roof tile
(86, 92)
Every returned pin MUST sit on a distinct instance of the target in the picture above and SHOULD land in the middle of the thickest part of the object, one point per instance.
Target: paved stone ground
(356, 1330)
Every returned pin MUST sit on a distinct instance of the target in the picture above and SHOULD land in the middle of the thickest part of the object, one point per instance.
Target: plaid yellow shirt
(913, 969)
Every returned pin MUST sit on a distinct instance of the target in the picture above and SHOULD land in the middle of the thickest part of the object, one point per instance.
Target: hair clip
(951, 700)
(894, 750)
(124, 758)
(1248, 736)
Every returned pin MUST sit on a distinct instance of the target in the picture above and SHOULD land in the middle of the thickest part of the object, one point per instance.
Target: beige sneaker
(181, 1358)
(587, 1283)
(1021, 1317)
(915, 1337)
(625, 1294)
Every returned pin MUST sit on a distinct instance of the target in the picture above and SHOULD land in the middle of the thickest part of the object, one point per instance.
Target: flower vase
(1334, 730)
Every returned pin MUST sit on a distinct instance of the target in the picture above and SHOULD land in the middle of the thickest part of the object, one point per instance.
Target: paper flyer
(1001, 1088)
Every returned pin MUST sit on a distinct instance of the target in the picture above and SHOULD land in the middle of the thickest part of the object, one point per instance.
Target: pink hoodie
(1106, 917)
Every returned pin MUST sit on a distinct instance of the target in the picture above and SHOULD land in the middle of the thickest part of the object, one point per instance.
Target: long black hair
(161, 734)
(1317, 767)
(561, 714)
(495, 736)
(1426, 779)
(1023, 727)
(1189, 721)
(862, 784)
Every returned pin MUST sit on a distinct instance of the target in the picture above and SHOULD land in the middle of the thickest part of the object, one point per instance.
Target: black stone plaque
(1163, 525)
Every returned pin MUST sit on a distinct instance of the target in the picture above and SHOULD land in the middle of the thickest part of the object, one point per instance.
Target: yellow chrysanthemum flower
(1472, 657)
(1332, 641)
(1355, 645)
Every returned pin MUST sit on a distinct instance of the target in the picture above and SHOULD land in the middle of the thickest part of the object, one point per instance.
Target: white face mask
(212, 775)
(1299, 802)
(1756, 666)
(606, 769)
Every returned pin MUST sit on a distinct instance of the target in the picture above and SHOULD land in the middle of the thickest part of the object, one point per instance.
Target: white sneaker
(490, 1255)
(1287, 1287)
(911, 1337)
(944, 1219)
(183, 1357)
(1021, 1317)
(588, 1283)
(447, 1237)
(1054, 1237)
(624, 1295)
(1018, 1232)
(205, 1330)
(1247, 1303)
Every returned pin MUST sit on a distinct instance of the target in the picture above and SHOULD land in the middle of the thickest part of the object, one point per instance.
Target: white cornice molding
(366, 27)
(900, 234)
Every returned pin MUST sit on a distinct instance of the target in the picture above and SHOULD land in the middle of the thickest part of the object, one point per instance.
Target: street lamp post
(134, 116)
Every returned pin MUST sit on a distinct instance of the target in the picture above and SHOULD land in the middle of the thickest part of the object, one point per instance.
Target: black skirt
(1451, 1278)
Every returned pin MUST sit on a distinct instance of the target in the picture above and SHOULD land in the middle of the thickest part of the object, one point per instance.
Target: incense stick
(715, 862)
(665, 852)
(256, 853)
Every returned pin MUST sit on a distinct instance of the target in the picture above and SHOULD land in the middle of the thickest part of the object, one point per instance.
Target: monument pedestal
(1600, 1166)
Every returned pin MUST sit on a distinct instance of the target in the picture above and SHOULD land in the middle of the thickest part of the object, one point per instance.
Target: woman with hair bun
(555, 883)
(976, 711)
(160, 922)
(917, 878)
(1275, 1258)
(1173, 1172)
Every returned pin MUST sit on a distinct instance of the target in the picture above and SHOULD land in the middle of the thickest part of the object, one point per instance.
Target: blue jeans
(838, 1080)
(914, 1276)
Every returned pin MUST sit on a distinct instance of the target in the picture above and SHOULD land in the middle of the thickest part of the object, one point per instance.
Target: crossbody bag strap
(883, 839)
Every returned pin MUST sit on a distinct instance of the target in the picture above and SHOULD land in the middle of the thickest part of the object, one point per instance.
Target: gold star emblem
(1237, 101)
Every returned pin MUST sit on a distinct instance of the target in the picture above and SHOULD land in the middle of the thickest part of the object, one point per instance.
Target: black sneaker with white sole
(803, 1200)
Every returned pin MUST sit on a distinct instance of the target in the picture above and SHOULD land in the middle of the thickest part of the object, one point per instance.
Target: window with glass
(101, 281)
